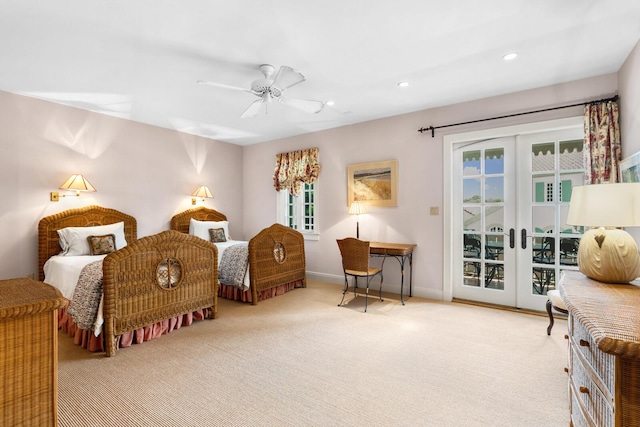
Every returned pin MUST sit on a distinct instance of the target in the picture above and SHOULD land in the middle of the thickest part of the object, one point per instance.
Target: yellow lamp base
(609, 255)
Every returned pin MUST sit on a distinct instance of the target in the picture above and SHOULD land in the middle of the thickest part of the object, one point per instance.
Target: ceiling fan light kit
(268, 89)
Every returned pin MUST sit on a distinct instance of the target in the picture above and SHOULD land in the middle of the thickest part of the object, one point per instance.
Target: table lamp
(357, 209)
(606, 253)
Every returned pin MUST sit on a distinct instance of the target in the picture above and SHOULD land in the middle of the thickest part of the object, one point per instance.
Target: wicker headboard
(180, 222)
(49, 241)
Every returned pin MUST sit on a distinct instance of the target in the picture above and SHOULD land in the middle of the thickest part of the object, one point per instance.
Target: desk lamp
(357, 209)
(606, 253)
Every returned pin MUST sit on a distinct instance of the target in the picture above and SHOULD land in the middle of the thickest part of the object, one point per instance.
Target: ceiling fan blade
(242, 89)
(287, 77)
(306, 105)
(253, 109)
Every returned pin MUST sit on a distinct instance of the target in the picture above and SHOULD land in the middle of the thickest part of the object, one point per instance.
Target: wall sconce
(75, 183)
(357, 209)
(203, 192)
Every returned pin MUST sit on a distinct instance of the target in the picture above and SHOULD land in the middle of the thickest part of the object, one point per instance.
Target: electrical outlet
(55, 196)
(434, 210)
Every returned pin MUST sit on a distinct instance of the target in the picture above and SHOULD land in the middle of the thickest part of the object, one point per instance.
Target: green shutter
(540, 192)
(566, 190)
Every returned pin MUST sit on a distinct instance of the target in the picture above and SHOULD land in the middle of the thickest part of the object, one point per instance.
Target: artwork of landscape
(373, 183)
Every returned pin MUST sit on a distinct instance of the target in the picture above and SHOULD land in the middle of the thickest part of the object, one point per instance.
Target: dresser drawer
(603, 364)
(586, 392)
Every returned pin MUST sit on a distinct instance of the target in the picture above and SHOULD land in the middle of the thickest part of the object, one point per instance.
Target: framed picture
(375, 183)
(630, 168)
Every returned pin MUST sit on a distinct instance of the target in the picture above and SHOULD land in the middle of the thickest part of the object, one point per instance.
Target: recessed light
(330, 103)
(510, 56)
(403, 84)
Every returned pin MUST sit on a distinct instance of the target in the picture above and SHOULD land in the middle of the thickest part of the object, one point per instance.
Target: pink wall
(149, 172)
(145, 171)
(421, 172)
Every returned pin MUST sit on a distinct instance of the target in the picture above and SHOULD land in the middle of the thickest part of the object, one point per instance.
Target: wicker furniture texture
(29, 352)
(355, 263)
(152, 279)
(604, 351)
(276, 254)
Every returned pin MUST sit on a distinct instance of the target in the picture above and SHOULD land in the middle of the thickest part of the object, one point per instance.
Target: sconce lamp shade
(357, 208)
(77, 183)
(605, 253)
(202, 192)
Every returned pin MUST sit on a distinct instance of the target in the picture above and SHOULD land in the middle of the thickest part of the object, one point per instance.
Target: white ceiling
(140, 59)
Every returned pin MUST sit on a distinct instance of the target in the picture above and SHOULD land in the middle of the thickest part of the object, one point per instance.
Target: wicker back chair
(355, 263)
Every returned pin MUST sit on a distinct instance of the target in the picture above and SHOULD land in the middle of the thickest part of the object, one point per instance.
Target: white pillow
(201, 228)
(73, 240)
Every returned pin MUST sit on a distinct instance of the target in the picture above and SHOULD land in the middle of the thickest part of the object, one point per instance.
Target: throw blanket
(83, 308)
(233, 265)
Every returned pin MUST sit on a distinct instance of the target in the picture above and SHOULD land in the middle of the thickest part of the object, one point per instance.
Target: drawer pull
(566, 337)
(584, 390)
(566, 370)
(584, 343)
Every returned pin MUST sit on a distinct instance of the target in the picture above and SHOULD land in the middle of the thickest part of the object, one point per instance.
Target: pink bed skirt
(233, 293)
(87, 339)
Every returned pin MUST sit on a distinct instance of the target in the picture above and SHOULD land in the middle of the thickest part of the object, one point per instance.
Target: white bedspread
(63, 272)
(224, 245)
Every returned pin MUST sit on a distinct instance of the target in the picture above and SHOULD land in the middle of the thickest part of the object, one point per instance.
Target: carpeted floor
(299, 360)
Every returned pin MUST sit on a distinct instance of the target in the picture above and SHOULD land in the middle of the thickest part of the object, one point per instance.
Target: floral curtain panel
(295, 168)
(602, 152)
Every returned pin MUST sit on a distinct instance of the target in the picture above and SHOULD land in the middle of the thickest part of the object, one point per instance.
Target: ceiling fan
(268, 89)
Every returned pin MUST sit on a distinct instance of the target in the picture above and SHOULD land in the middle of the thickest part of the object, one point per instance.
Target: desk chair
(355, 263)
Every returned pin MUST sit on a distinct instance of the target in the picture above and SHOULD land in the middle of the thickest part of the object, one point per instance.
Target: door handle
(512, 238)
(523, 238)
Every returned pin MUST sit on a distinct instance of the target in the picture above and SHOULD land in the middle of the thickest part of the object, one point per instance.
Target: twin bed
(154, 284)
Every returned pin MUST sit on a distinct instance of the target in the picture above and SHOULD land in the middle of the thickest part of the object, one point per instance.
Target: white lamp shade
(203, 191)
(605, 205)
(77, 182)
(357, 208)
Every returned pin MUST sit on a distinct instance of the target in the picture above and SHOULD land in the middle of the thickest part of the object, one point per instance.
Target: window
(300, 212)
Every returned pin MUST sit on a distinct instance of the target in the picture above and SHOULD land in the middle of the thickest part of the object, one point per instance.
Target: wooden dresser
(29, 353)
(604, 351)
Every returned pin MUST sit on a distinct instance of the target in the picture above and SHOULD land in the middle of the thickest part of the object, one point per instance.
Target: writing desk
(399, 251)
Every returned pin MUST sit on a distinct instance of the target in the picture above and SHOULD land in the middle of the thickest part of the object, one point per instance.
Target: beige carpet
(299, 360)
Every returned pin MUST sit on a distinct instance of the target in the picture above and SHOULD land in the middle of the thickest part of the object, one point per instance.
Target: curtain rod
(433, 128)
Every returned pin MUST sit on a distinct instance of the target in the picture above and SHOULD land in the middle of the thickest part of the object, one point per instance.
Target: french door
(510, 198)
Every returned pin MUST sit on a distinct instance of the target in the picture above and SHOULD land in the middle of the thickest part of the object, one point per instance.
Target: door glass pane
(471, 218)
(543, 219)
(543, 188)
(494, 276)
(569, 251)
(494, 218)
(543, 280)
(543, 157)
(472, 273)
(571, 155)
(471, 190)
(471, 163)
(494, 248)
(494, 161)
(494, 190)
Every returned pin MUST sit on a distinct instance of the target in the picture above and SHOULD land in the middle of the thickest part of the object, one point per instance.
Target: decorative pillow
(73, 240)
(201, 228)
(101, 245)
(217, 235)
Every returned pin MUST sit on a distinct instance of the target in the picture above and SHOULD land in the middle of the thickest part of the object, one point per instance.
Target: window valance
(295, 168)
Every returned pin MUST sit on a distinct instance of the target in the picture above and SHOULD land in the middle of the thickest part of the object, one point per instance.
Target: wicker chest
(28, 352)
(604, 351)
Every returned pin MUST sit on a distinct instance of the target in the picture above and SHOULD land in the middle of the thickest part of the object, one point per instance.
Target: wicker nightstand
(29, 352)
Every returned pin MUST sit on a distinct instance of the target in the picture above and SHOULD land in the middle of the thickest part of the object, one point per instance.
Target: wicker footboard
(276, 257)
(156, 278)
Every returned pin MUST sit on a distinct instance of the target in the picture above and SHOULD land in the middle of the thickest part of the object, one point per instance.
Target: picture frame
(374, 183)
(630, 168)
